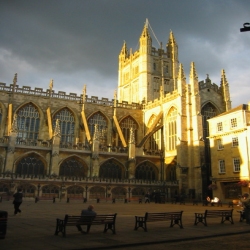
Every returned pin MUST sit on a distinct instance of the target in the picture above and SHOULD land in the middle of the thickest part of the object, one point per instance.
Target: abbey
(151, 138)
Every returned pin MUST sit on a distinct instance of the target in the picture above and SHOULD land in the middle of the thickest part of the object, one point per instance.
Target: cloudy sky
(77, 42)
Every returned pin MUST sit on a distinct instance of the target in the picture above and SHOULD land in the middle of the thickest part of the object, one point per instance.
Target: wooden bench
(226, 215)
(174, 217)
(108, 220)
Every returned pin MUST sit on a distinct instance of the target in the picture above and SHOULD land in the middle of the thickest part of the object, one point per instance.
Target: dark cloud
(78, 42)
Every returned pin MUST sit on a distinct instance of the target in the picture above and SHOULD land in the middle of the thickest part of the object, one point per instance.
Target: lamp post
(86, 193)
(246, 27)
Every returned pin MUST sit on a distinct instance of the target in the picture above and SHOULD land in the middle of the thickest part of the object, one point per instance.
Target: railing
(63, 95)
(8, 176)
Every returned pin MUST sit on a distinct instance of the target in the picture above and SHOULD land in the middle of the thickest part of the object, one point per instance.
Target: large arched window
(208, 111)
(67, 125)
(126, 124)
(30, 165)
(146, 171)
(72, 168)
(100, 120)
(111, 169)
(28, 122)
(171, 129)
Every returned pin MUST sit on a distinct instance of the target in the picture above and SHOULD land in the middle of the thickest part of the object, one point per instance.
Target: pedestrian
(147, 200)
(86, 212)
(246, 204)
(18, 199)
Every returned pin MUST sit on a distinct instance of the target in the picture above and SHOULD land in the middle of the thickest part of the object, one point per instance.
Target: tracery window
(67, 125)
(171, 129)
(208, 111)
(146, 171)
(30, 165)
(28, 122)
(126, 124)
(100, 120)
(72, 167)
(111, 169)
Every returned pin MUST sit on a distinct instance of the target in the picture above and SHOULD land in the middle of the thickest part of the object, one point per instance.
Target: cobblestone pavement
(34, 228)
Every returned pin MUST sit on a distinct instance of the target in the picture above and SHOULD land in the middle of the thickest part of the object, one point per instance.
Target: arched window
(97, 192)
(30, 165)
(50, 191)
(28, 190)
(146, 171)
(67, 125)
(171, 129)
(126, 124)
(75, 192)
(111, 169)
(208, 111)
(72, 168)
(100, 120)
(28, 122)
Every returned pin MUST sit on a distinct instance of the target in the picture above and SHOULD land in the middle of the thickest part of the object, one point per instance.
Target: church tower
(147, 71)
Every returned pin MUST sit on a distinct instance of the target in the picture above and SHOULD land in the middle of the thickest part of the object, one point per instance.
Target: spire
(132, 136)
(14, 127)
(145, 32)
(171, 38)
(15, 80)
(124, 50)
(57, 131)
(181, 74)
(96, 133)
(193, 73)
(225, 90)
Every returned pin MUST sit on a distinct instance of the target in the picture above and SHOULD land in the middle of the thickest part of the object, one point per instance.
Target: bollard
(54, 199)
(97, 200)
(67, 200)
(126, 201)
(36, 199)
(3, 223)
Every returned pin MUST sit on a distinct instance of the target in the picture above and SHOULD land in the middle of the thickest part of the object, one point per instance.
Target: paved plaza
(34, 228)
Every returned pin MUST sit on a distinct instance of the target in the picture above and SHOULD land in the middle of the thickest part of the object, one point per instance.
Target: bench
(226, 215)
(174, 217)
(108, 220)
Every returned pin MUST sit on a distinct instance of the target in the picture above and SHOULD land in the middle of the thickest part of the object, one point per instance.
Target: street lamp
(246, 27)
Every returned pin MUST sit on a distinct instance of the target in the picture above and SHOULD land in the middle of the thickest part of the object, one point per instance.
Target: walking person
(147, 200)
(18, 199)
(246, 204)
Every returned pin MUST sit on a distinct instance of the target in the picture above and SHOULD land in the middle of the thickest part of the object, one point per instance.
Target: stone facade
(152, 137)
(229, 141)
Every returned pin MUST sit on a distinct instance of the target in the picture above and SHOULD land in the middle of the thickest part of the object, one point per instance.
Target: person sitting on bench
(89, 211)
